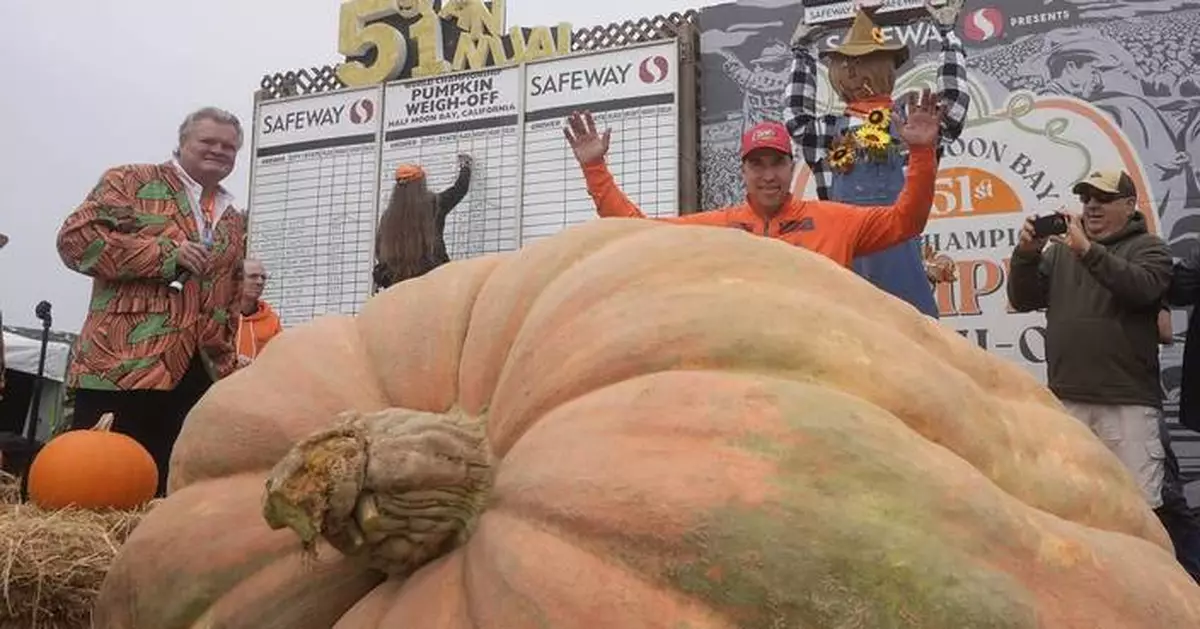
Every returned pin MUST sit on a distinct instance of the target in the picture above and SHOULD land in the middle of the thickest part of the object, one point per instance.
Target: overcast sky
(92, 84)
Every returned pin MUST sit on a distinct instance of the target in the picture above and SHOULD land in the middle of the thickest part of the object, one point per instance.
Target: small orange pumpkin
(93, 469)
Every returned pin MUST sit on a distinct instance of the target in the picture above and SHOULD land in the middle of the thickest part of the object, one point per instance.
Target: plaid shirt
(814, 133)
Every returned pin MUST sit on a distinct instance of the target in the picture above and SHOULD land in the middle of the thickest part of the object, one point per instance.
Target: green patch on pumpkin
(186, 597)
(849, 538)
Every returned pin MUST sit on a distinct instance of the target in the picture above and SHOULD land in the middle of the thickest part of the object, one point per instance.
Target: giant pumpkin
(639, 425)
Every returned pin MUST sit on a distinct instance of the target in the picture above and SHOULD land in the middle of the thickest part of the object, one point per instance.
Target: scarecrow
(856, 155)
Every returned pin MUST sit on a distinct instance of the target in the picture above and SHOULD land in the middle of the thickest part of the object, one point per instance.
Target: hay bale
(52, 563)
(10, 489)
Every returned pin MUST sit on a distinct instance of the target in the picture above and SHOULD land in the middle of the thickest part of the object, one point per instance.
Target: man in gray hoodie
(1102, 284)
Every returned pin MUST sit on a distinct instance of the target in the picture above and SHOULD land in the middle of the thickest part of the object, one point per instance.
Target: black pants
(152, 418)
(1181, 522)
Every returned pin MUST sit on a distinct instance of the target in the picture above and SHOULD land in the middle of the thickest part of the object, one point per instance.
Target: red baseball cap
(767, 135)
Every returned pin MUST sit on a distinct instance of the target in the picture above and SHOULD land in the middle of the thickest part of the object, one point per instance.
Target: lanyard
(207, 201)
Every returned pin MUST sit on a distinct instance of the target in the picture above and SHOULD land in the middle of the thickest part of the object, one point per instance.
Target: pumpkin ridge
(480, 550)
(515, 288)
(684, 334)
(663, 284)
(401, 487)
(451, 291)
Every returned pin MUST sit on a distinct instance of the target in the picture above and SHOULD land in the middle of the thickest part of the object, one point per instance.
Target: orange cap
(409, 172)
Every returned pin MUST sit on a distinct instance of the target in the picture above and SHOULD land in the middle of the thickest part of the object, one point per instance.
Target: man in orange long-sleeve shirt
(835, 230)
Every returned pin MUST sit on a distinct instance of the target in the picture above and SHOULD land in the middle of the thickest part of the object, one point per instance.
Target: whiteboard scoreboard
(322, 166)
(631, 91)
(432, 122)
(313, 200)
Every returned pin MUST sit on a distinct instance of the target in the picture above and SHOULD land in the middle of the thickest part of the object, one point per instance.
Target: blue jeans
(898, 270)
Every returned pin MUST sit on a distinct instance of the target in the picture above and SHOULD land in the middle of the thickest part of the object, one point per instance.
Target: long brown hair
(407, 231)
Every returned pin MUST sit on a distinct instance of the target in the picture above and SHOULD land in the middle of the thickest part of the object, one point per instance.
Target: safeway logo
(653, 69)
(983, 24)
(362, 111)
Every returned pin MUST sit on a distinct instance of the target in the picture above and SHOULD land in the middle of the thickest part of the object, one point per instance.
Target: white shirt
(223, 201)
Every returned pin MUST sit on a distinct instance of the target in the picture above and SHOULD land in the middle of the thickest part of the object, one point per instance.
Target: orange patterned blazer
(138, 333)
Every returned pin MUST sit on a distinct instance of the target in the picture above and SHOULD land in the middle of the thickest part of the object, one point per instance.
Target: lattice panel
(628, 32)
(297, 82)
(617, 34)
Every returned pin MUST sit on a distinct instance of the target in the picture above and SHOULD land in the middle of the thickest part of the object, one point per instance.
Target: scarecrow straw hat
(864, 38)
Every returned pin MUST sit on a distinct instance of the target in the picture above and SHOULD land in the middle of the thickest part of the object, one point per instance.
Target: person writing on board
(838, 231)
(411, 241)
(146, 352)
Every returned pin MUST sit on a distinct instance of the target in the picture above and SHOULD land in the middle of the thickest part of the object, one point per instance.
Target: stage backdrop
(1059, 88)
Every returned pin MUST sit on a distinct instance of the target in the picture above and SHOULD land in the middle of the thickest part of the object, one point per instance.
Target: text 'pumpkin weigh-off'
(637, 425)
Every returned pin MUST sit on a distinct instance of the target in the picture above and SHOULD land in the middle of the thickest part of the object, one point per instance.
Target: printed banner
(347, 113)
(634, 72)
(453, 99)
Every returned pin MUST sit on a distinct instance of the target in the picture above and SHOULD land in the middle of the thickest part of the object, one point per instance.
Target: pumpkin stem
(399, 486)
(106, 423)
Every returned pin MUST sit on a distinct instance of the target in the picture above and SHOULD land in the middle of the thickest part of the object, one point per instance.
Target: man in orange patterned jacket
(148, 352)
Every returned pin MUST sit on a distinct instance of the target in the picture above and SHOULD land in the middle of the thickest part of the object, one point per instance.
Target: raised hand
(589, 147)
(1075, 238)
(944, 12)
(1028, 242)
(922, 124)
(805, 34)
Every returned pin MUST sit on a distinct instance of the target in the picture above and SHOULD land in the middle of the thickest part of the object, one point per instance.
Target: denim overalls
(898, 270)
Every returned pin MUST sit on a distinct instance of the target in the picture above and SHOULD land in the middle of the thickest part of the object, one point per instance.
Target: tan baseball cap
(1116, 182)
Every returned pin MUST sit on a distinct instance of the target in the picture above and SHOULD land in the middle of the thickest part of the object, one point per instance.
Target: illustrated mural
(1058, 88)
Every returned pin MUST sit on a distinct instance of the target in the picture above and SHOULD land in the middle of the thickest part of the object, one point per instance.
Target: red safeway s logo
(653, 69)
(983, 24)
(362, 111)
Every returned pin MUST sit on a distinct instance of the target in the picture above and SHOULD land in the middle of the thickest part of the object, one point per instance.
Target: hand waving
(806, 33)
(944, 12)
(589, 147)
(923, 120)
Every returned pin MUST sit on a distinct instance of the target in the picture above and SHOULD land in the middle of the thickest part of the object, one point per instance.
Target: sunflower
(879, 118)
(878, 36)
(842, 158)
(872, 139)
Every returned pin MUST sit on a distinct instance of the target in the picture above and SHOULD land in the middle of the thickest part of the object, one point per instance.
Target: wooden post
(689, 118)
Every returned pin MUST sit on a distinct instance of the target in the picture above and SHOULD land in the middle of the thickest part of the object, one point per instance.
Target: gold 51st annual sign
(384, 40)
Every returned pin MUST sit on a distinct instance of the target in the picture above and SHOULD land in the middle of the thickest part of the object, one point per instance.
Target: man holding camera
(1101, 276)
(163, 244)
